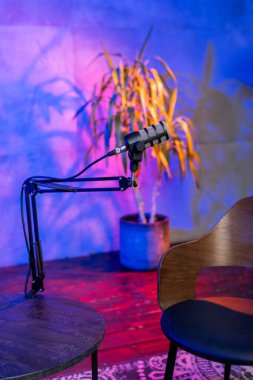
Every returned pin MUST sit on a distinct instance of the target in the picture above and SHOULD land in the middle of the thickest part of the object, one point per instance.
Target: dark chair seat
(210, 331)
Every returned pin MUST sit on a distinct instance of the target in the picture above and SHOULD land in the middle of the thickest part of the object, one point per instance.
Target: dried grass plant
(131, 96)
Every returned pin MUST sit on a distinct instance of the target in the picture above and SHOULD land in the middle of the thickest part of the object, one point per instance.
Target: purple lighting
(46, 50)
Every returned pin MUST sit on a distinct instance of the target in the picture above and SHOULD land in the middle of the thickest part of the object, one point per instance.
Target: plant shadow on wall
(63, 216)
(28, 109)
(34, 133)
(62, 211)
(223, 113)
(131, 96)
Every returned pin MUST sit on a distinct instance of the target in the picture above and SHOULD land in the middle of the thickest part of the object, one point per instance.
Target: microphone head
(137, 142)
(148, 137)
(155, 134)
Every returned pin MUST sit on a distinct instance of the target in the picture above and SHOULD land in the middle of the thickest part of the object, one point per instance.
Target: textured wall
(45, 50)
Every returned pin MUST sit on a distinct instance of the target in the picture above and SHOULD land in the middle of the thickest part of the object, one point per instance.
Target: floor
(127, 300)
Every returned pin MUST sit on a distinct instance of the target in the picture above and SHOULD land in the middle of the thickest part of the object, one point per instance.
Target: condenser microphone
(136, 142)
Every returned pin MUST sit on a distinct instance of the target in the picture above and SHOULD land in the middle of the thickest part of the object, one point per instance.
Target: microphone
(136, 142)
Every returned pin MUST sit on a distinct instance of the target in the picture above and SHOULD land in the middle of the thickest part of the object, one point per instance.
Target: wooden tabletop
(44, 335)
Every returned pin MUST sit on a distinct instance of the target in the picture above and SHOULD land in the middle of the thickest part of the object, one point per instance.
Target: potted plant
(129, 97)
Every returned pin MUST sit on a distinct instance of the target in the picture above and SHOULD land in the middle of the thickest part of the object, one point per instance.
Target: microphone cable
(111, 153)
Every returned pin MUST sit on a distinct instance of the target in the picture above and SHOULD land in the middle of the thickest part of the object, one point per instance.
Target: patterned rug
(188, 367)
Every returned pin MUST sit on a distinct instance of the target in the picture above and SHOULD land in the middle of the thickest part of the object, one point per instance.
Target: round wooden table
(44, 335)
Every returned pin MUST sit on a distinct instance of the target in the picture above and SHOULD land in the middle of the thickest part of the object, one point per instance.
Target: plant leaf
(117, 129)
(172, 104)
(168, 69)
(165, 163)
(181, 155)
(107, 136)
(110, 64)
(122, 85)
(185, 127)
(130, 111)
(159, 84)
(110, 118)
(144, 45)
(81, 109)
(124, 161)
(95, 140)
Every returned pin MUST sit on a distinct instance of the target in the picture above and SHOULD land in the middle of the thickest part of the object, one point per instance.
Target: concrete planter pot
(142, 245)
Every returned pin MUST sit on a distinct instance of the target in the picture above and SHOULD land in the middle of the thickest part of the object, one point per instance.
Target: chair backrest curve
(229, 243)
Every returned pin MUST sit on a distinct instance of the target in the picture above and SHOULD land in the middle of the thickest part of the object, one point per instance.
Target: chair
(219, 329)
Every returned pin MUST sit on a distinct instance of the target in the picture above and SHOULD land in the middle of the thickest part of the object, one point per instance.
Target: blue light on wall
(45, 52)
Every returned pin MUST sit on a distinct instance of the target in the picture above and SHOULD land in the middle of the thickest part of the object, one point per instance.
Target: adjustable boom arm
(34, 186)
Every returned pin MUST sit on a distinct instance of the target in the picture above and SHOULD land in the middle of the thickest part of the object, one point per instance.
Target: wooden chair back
(229, 243)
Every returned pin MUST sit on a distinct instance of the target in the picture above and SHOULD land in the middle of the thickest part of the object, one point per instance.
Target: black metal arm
(34, 186)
